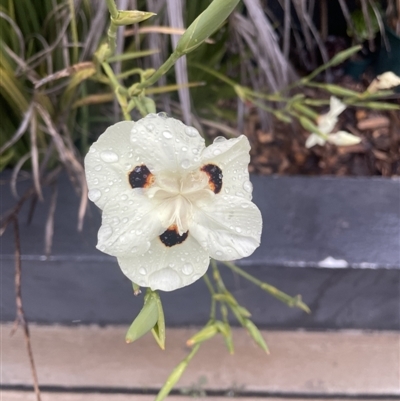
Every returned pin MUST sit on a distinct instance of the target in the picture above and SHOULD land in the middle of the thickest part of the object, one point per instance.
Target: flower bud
(205, 25)
(386, 80)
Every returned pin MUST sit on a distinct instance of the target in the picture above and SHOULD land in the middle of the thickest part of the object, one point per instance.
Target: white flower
(326, 124)
(168, 202)
(386, 80)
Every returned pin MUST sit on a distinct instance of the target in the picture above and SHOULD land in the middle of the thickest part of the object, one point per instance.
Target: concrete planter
(355, 221)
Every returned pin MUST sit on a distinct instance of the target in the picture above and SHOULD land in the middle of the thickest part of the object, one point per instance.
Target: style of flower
(387, 80)
(326, 124)
(169, 202)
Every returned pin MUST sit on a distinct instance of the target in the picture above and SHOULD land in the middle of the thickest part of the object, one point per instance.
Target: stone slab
(312, 364)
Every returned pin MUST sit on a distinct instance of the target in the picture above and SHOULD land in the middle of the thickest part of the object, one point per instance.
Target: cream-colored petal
(108, 164)
(163, 143)
(343, 138)
(167, 268)
(129, 223)
(387, 80)
(314, 139)
(228, 228)
(232, 157)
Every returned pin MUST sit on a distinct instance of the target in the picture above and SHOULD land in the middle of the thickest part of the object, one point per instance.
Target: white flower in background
(326, 124)
(386, 80)
(169, 203)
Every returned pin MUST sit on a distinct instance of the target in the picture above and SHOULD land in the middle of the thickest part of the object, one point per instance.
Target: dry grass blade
(20, 131)
(66, 72)
(166, 30)
(17, 32)
(20, 318)
(174, 8)
(14, 175)
(49, 228)
(231, 132)
(35, 156)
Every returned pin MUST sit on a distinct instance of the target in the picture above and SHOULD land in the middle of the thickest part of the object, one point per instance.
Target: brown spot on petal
(140, 177)
(214, 177)
(171, 236)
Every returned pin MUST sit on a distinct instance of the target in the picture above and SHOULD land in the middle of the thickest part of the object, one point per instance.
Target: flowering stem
(212, 292)
(287, 299)
(112, 8)
(176, 374)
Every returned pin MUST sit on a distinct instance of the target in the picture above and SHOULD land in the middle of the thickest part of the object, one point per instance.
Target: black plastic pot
(389, 58)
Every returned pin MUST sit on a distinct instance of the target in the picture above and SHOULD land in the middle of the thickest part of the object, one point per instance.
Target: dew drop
(184, 149)
(94, 195)
(238, 229)
(109, 156)
(125, 220)
(115, 220)
(218, 253)
(150, 127)
(134, 249)
(247, 186)
(187, 269)
(142, 271)
(219, 139)
(185, 163)
(92, 150)
(167, 134)
(165, 279)
(191, 131)
(216, 152)
(124, 197)
(98, 167)
(138, 232)
(162, 114)
(245, 205)
(195, 151)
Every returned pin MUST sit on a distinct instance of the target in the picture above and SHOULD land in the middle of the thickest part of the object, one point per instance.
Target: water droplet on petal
(98, 167)
(191, 131)
(92, 150)
(162, 114)
(134, 249)
(216, 152)
(167, 134)
(185, 163)
(94, 195)
(187, 269)
(104, 233)
(165, 279)
(238, 229)
(219, 139)
(218, 253)
(124, 197)
(143, 271)
(245, 205)
(109, 156)
(195, 151)
(184, 148)
(150, 127)
(247, 186)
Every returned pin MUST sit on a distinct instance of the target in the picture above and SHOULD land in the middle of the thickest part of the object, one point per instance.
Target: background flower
(168, 202)
(326, 124)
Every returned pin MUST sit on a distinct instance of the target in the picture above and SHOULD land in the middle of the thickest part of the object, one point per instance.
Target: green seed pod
(129, 17)
(145, 320)
(256, 335)
(204, 334)
(205, 25)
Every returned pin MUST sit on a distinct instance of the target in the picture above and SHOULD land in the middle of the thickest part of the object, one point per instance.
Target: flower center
(176, 195)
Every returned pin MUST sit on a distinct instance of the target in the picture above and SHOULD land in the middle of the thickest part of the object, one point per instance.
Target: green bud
(305, 110)
(149, 104)
(343, 55)
(378, 105)
(204, 334)
(129, 17)
(308, 124)
(205, 25)
(256, 335)
(338, 90)
(145, 320)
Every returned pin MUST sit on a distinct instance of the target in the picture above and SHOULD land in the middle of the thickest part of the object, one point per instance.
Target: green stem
(112, 8)
(291, 301)
(160, 72)
(212, 292)
(74, 32)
